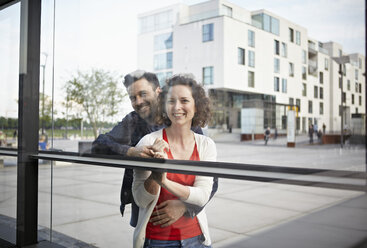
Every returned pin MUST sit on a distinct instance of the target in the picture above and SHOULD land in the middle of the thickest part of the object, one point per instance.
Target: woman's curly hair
(202, 102)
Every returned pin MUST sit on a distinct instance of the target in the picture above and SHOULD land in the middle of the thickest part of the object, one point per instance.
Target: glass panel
(9, 76)
(266, 21)
(95, 51)
(274, 26)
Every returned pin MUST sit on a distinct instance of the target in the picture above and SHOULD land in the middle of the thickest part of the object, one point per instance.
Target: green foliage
(96, 94)
(45, 111)
(8, 123)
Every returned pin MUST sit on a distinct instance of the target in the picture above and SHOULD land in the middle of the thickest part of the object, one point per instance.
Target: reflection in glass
(9, 75)
(96, 36)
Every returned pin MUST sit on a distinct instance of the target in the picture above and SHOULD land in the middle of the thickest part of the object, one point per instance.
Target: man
(143, 90)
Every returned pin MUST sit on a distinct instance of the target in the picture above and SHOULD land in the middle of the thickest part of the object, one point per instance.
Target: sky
(103, 34)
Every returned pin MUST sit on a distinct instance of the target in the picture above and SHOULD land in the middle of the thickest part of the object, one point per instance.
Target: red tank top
(184, 227)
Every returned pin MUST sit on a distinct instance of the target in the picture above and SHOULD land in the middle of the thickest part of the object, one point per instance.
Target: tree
(45, 115)
(96, 93)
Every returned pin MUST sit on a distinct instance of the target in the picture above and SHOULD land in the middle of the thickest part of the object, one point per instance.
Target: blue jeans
(195, 242)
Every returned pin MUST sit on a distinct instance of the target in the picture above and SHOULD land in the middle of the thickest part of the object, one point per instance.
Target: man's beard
(149, 114)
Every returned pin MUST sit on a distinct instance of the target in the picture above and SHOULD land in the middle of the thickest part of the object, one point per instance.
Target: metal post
(28, 123)
(342, 106)
(43, 93)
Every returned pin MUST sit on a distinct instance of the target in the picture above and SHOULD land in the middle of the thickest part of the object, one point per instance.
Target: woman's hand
(160, 146)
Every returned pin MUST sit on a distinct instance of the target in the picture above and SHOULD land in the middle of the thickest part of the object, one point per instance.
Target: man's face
(143, 98)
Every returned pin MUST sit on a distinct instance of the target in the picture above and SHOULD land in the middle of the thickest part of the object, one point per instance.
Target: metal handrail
(252, 172)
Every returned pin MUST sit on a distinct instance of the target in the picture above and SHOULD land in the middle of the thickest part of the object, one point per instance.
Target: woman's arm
(179, 190)
(144, 189)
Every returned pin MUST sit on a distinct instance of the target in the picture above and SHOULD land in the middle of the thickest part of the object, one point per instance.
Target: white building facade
(256, 66)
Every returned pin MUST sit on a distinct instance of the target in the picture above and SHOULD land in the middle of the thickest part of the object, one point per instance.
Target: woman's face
(180, 105)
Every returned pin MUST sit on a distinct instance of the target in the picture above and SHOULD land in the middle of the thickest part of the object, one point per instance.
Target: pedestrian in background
(310, 133)
(267, 135)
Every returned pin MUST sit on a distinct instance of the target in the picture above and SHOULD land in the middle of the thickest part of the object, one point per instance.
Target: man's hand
(142, 151)
(159, 177)
(168, 212)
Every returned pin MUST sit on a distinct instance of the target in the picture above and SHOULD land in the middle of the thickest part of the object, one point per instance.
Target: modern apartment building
(255, 65)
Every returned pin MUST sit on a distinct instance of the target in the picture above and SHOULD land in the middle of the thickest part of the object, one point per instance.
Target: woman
(182, 104)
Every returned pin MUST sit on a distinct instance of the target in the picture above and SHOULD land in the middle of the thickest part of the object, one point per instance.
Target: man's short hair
(134, 76)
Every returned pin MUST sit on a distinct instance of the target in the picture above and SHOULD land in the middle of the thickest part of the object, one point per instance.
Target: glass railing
(9, 76)
(84, 58)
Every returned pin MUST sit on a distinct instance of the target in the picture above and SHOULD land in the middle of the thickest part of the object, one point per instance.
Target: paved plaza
(85, 198)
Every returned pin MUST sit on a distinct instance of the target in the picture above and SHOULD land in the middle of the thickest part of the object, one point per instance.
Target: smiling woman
(202, 103)
(181, 105)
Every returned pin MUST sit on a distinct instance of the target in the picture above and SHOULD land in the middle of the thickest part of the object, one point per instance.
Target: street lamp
(341, 61)
(43, 65)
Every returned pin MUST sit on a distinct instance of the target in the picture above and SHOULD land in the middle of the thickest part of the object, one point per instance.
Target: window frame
(207, 32)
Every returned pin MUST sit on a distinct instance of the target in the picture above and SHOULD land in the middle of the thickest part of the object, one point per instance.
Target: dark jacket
(127, 134)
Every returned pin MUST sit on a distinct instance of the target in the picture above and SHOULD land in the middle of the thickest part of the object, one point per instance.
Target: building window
(266, 22)
(276, 65)
(348, 84)
(208, 75)
(227, 11)
(321, 108)
(274, 25)
(310, 107)
(326, 64)
(304, 73)
(291, 101)
(298, 103)
(344, 69)
(163, 61)
(315, 91)
(356, 74)
(162, 76)
(352, 98)
(284, 85)
(291, 35)
(360, 63)
(291, 69)
(276, 84)
(284, 50)
(304, 89)
(241, 56)
(156, 22)
(163, 41)
(276, 47)
(360, 100)
(208, 31)
(304, 57)
(321, 77)
(360, 88)
(344, 97)
(251, 38)
(298, 37)
(321, 93)
(340, 82)
(340, 53)
(251, 79)
(251, 58)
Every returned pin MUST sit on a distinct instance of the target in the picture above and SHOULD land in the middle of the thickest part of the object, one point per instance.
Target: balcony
(312, 49)
(312, 68)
